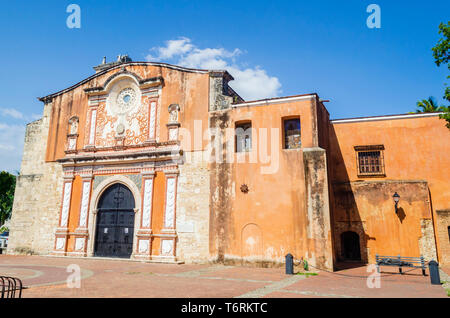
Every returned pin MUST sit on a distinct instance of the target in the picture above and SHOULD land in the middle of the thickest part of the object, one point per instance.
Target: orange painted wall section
(158, 209)
(416, 149)
(270, 220)
(75, 203)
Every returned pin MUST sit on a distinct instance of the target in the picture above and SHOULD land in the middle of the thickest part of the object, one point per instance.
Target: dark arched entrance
(115, 223)
(350, 246)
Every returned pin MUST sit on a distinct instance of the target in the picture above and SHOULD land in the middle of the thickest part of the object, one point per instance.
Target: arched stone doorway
(350, 246)
(115, 222)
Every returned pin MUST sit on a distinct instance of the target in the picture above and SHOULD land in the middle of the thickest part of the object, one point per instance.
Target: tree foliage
(442, 49)
(7, 187)
(429, 106)
(441, 56)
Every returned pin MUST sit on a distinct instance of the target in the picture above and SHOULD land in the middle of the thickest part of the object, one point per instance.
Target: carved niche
(173, 124)
(72, 134)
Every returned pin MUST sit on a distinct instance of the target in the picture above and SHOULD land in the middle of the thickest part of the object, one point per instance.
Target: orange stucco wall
(271, 219)
(416, 149)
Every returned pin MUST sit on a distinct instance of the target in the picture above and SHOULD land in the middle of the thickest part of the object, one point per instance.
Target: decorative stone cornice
(143, 83)
(96, 158)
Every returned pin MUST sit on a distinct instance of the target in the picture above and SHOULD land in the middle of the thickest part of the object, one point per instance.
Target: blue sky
(276, 48)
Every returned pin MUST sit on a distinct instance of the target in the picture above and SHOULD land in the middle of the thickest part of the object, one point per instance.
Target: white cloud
(173, 47)
(250, 83)
(208, 58)
(14, 113)
(12, 134)
(11, 146)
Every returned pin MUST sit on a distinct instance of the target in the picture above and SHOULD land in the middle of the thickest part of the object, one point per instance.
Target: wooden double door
(115, 223)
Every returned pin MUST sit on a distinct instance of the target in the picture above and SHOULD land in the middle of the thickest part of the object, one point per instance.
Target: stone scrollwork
(60, 242)
(66, 203)
(170, 203)
(143, 246)
(167, 247)
(79, 244)
(152, 120)
(148, 188)
(84, 203)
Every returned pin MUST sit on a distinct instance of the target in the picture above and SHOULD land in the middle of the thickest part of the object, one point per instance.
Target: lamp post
(396, 198)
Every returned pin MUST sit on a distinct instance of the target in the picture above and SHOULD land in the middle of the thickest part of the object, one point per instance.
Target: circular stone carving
(120, 129)
(126, 100)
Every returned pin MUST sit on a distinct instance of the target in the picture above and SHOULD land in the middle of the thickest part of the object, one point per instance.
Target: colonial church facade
(163, 163)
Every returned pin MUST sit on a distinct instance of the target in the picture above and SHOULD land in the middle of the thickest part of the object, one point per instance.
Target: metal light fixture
(396, 198)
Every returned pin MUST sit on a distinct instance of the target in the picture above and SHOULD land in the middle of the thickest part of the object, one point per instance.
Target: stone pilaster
(320, 253)
(144, 233)
(62, 232)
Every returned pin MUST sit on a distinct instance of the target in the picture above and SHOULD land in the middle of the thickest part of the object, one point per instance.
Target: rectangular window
(243, 137)
(292, 136)
(370, 160)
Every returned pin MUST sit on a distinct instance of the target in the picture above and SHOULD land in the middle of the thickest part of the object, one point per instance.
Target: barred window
(370, 160)
(243, 137)
(292, 135)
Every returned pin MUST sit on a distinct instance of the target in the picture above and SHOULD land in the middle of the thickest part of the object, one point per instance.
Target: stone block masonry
(38, 194)
(193, 209)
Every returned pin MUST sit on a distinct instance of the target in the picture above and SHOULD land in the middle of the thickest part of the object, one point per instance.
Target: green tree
(7, 187)
(429, 106)
(441, 53)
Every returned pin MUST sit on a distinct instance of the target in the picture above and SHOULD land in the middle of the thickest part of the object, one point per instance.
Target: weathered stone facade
(193, 210)
(37, 199)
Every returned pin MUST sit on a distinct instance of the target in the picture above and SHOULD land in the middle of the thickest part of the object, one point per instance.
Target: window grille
(370, 160)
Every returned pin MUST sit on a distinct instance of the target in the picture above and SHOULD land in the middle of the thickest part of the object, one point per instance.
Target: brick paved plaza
(46, 277)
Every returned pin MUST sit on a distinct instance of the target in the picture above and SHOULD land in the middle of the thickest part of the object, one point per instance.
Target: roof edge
(273, 100)
(49, 97)
(384, 117)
